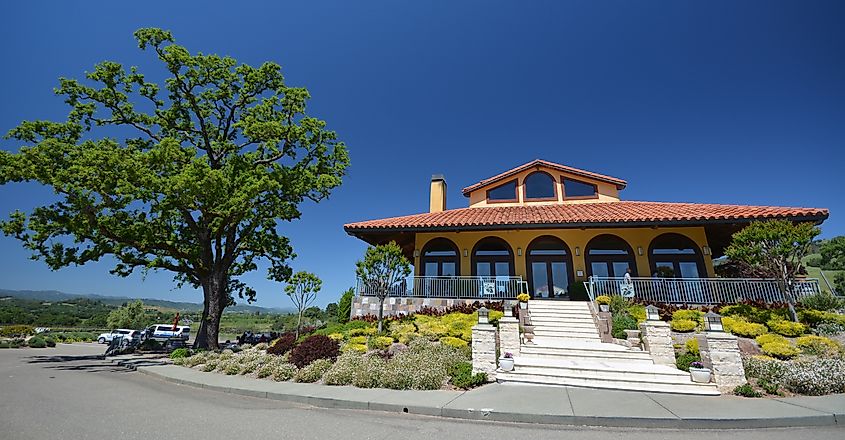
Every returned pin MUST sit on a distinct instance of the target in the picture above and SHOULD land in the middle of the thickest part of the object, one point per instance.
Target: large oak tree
(195, 177)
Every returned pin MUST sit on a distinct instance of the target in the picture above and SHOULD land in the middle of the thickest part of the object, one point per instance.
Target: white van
(163, 332)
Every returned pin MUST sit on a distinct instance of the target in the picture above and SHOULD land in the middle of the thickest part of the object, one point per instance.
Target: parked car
(164, 332)
(105, 338)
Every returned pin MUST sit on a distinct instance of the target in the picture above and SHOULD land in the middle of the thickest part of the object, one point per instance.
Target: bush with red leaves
(313, 348)
(282, 345)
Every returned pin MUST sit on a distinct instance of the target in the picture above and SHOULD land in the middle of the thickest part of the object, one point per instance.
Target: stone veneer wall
(368, 305)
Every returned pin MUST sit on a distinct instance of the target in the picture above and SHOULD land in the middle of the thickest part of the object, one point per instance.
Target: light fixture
(466, 253)
(640, 250)
(652, 313)
(483, 315)
(706, 250)
(577, 250)
(713, 322)
(519, 251)
(416, 253)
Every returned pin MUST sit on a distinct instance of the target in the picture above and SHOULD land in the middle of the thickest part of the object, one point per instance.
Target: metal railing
(458, 287)
(698, 290)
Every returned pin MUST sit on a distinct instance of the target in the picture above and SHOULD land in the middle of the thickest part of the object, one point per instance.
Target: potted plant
(604, 303)
(506, 362)
(523, 300)
(698, 373)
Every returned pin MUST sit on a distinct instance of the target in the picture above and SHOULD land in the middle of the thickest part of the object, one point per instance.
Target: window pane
(448, 269)
(599, 269)
(506, 191)
(445, 253)
(492, 252)
(539, 278)
(502, 269)
(547, 252)
(482, 269)
(539, 186)
(619, 268)
(430, 269)
(665, 269)
(560, 278)
(608, 252)
(686, 251)
(576, 188)
(688, 269)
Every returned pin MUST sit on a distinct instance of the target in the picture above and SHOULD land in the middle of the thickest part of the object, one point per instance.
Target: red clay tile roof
(622, 213)
(620, 184)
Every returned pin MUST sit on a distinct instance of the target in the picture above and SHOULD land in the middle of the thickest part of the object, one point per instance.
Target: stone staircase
(567, 351)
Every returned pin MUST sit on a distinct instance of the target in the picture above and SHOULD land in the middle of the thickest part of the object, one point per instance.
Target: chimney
(438, 193)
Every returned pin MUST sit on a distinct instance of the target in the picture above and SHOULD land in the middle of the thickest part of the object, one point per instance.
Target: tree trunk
(298, 323)
(215, 298)
(380, 312)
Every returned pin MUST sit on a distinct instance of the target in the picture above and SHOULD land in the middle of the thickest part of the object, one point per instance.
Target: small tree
(833, 253)
(302, 290)
(777, 245)
(383, 268)
(129, 315)
(344, 306)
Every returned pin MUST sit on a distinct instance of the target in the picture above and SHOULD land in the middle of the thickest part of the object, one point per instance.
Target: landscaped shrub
(10, 331)
(343, 370)
(637, 312)
(430, 327)
(366, 331)
(150, 345)
(454, 342)
(360, 340)
(283, 371)
(5, 344)
(692, 346)
(210, 365)
(770, 337)
(787, 328)
(370, 374)
(380, 342)
(681, 325)
(180, 353)
(747, 329)
(37, 342)
(231, 367)
(780, 350)
(336, 336)
(261, 346)
(402, 332)
(313, 371)
(830, 329)
(823, 301)
(687, 315)
(814, 318)
(50, 342)
(282, 344)
(358, 348)
(312, 348)
(461, 376)
(811, 376)
(684, 360)
(621, 323)
(759, 313)
(746, 391)
(817, 345)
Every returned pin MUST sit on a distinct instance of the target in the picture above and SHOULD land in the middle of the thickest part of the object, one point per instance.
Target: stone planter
(528, 332)
(699, 375)
(506, 364)
(604, 307)
(523, 305)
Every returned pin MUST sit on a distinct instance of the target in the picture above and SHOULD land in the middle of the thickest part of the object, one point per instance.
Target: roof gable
(620, 184)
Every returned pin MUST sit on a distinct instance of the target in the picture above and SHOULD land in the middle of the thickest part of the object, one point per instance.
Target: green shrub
(769, 388)
(380, 342)
(621, 323)
(5, 344)
(754, 314)
(746, 391)
(180, 353)
(780, 350)
(454, 342)
(150, 345)
(810, 376)
(231, 367)
(313, 371)
(210, 365)
(403, 332)
(361, 340)
(637, 312)
(343, 370)
(814, 318)
(312, 348)
(747, 329)
(692, 346)
(817, 345)
(283, 371)
(823, 301)
(367, 331)
(787, 328)
(358, 348)
(770, 337)
(682, 325)
(10, 331)
(50, 342)
(687, 315)
(461, 376)
(37, 342)
(684, 360)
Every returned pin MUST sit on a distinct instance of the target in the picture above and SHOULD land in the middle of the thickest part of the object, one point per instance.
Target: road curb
(824, 419)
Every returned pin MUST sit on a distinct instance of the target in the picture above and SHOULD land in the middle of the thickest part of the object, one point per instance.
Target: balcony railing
(699, 290)
(457, 287)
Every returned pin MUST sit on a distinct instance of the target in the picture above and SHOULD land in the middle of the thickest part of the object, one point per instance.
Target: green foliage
(302, 289)
(344, 307)
(358, 340)
(381, 342)
(282, 344)
(577, 292)
(383, 269)
(17, 330)
(637, 312)
(684, 360)
(683, 325)
(770, 337)
(780, 350)
(692, 346)
(180, 353)
(461, 376)
(787, 328)
(833, 253)
(75, 312)
(313, 371)
(37, 342)
(313, 348)
(621, 323)
(811, 376)
(817, 346)
(5, 344)
(823, 301)
(688, 315)
(199, 186)
(150, 345)
(454, 342)
(130, 315)
(746, 391)
(603, 299)
(741, 327)
(283, 372)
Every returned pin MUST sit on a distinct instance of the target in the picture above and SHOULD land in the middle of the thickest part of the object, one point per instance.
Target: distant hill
(55, 295)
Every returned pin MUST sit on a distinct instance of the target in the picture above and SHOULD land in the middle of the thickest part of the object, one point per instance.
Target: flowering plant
(508, 355)
(696, 365)
(522, 297)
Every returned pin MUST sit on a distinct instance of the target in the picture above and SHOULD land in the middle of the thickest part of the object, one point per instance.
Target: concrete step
(583, 306)
(611, 369)
(626, 385)
(565, 332)
(531, 352)
(565, 323)
(557, 317)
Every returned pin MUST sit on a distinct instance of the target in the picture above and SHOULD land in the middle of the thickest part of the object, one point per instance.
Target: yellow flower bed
(780, 350)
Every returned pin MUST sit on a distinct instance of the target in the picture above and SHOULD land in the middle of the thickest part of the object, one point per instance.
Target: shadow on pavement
(92, 363)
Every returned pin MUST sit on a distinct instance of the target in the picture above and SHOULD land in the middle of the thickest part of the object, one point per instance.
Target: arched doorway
(675, 256)
(492, 256)
(440, 257)
(609, 256)
(549, 265)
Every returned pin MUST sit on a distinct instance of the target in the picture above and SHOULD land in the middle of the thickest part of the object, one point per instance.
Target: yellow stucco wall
(574, 238)
(607, 192)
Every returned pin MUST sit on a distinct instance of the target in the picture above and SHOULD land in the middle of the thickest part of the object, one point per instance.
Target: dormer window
(505, 192)
(540, 186)
(576, 189)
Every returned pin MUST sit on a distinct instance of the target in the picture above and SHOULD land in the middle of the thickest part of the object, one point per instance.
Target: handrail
(465, 287)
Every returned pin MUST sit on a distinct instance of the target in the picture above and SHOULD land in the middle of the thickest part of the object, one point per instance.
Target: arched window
(540, 186)
(609, 256)
(549, 268)
(440, 257)
(492, 257)
(675, 256)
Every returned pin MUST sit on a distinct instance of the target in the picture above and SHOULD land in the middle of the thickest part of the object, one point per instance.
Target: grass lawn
(815, 272)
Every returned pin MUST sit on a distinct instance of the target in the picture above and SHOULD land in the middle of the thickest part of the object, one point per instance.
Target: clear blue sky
(717, 101)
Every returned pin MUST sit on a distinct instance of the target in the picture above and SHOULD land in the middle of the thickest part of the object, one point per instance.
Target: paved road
(68, 393)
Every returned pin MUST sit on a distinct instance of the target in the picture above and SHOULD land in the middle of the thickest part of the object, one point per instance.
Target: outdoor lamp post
(483, 315)
(713, 322)
(652, 313)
